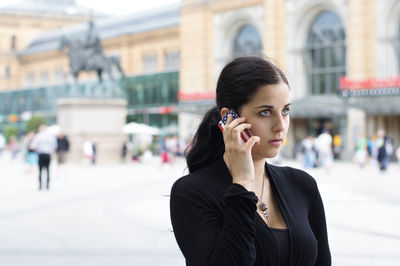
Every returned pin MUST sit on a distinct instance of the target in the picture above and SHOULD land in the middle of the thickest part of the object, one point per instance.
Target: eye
(265, 112)
(285, 111)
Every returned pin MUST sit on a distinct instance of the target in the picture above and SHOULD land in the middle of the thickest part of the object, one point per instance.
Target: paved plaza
(119, 215)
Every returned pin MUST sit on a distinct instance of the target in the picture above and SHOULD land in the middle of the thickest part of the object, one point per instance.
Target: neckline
(276, 193)
(279, 229)
(224, 171)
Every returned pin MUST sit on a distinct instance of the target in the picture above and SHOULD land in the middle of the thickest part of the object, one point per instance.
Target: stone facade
(370, 28)
(204, 35)
(16, 32)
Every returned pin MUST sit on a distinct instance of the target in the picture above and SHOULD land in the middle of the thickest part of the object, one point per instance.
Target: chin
(271, 155)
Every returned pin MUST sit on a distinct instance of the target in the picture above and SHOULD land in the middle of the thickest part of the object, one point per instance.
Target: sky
(115, 7)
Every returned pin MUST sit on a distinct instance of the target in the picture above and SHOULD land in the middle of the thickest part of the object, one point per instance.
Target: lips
(275, 142)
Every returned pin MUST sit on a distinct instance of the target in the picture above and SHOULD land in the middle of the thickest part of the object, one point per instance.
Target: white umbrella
(136, 128)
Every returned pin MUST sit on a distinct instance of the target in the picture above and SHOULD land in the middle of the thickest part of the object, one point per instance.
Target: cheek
(287, 125)
(259, 129)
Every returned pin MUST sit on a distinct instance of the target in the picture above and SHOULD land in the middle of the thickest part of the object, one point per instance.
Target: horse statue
(89, 58)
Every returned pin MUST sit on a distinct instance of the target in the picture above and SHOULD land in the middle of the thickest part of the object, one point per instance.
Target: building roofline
(108, 28)
(48, 9)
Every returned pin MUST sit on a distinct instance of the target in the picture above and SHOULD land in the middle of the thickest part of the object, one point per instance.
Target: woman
(234, 208)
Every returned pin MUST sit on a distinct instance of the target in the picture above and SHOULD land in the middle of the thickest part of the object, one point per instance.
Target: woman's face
(268, 113)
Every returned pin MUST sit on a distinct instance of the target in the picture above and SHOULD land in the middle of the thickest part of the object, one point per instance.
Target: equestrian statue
(87, 55)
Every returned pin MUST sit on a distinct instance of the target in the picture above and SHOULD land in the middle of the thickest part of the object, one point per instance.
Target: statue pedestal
(96, 120)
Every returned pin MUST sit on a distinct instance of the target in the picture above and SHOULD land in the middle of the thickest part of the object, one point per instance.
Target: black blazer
(215, 221)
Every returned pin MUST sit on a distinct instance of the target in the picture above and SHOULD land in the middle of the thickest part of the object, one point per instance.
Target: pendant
(263, 208)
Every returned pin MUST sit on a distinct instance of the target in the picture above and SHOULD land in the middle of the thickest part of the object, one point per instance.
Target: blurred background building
(341, 57)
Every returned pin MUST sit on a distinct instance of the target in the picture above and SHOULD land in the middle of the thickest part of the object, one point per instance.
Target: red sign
(371, 86)
(197, 96)
(371, 83)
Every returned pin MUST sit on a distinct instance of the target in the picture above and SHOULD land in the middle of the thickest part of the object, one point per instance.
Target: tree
(10, 131)
(34, 123)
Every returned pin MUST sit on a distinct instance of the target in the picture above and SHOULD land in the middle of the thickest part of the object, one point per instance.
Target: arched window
(325, 54)
(396, 43)
(13, 43)
(247, 41)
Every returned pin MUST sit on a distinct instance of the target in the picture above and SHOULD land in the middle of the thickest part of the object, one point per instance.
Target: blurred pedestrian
(180, 147)
(164, 152)
(62, 151)
(62, 148)
(13, 147)
(372, 149)
(385, 149)
(124, 151)
(136, 155)
(2, 143)
(308, 149)
(171, 144)
(31, 157)
(337, 146)
(44, 143)
(398, 154)
(147, 155)
(94, 152)
(361, 154)
(88, 150)
(323, 144)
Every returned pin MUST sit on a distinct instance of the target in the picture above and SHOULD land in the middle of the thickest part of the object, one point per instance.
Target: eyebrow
(270, 106)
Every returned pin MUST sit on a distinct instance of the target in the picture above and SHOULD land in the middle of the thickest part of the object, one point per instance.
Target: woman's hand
(238, 153)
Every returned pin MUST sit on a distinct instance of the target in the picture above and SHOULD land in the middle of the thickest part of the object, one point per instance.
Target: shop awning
(379, 105)
(335, 106)
(318, 107)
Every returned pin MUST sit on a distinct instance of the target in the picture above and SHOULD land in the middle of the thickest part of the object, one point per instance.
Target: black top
(215, 221)
(62, 144)
(282, 237)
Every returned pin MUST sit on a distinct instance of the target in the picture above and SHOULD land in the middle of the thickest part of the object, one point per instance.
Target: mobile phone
(245, 134)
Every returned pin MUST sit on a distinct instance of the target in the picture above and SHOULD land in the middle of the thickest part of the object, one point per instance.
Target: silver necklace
(261, 205)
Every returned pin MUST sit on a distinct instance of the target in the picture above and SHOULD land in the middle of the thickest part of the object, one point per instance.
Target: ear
(224, 111)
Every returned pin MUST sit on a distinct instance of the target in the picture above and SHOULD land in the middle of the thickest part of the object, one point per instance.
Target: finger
(229, 119)
(254, 140)
(234, 122)
(233, 133)
(231, 123)
(239, 129)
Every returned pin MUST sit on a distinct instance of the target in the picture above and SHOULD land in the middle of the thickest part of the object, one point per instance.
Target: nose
(279, 123)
